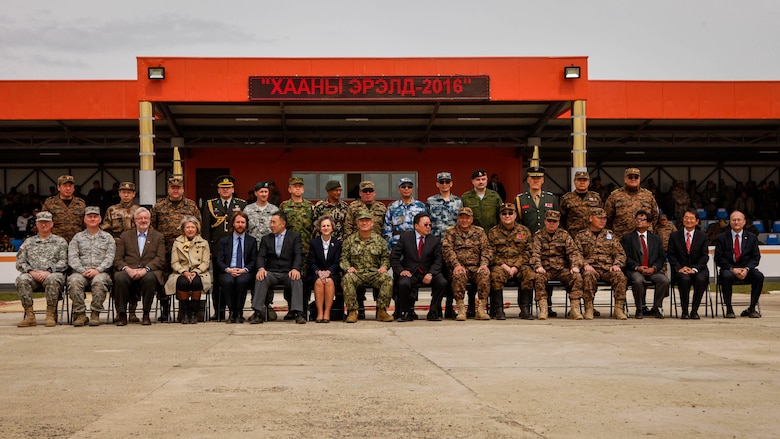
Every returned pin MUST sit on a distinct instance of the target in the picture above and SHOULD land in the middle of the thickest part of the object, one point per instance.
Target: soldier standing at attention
(511, 244)
(444, 208)
(67, 211)
(166, 215)
(119, 217)
(576, 206)
(216, 225)
(484, 202)
(299, 212)
(623, 204)
(260, 212)
(334, 207)
(400, 213)
(366, 202)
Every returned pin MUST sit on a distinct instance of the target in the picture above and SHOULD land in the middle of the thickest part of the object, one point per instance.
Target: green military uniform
(485, 209)
(367, 256)
(511, 247)
(531, 212)
(300, 219)
(68, 218)
(377, 209)
(45, 254)
(216, 219)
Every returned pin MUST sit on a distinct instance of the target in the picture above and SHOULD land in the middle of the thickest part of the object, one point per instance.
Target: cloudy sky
(624, 39)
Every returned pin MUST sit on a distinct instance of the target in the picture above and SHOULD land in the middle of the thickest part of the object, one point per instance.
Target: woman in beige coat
(190, 261)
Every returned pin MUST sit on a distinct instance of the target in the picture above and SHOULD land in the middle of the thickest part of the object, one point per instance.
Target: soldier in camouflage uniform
(299, 213)
(67, 211)
(42, 260)
(483, 202)
(334, 207)
(577, 205)
(511, 244)
(467, 252)
(444, 208)
(366, 202)
(665, 230)
(400, 213)
(556, 257)
(681, 201)
(90, 255)
(166, 217)
(603, 259)
(119, 217)
(260, 212)
(365, 259)
(623, 204)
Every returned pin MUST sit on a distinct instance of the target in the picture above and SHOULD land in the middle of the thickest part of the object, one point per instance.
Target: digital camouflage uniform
(259, 220)
(367, 256)
(300, 219)
(485, 209)
(339, 213)
(622, 205)
(400, 218)
(119, 218)
(531, 216)
(444, 213)
(576, 209)
(50, 254)
(468, 248)
(87, 251)
(166, 218)
(513, 248)
(68, 219)
(557, 254)
(377, 209)
(602, 251)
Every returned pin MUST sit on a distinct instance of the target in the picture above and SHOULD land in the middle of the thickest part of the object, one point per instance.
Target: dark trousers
(637, 281)
(699, 282)
(234, 291)
(755, 278)
(125, 286)
(407, 292)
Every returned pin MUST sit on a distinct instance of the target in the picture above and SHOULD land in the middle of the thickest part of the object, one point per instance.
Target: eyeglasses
(633, 177)
(426, 225)
(406, 186)
(445, 181)
(507, 213)
(367, 191)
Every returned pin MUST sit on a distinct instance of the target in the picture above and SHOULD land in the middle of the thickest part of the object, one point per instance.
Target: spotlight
(156, 73)
(571, 72)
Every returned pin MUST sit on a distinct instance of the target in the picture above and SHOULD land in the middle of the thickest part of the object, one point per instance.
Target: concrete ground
(712, 378)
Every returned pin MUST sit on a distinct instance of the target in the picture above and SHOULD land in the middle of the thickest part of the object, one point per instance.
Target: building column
(147, 181)
(579, 158)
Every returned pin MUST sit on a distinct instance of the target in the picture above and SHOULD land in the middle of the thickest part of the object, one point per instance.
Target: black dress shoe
(449, 313)
(145, 321)
(695, 316)
(290, 315)
(411, 315)
(402, 317)
(271, 314)
(241, 319)
(647, 311)
(551, 313)
(745, 312)
(684, 317)
(754, 314)
(433, 317)
(639, 314)
(731, 315)
(361, 314)
(657, 313)
(121, 320)
(300, 320)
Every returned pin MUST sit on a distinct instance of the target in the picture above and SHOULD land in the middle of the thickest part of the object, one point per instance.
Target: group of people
(465, 249)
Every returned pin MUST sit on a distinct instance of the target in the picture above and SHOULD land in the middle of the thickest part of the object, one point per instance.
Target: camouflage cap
(225, 181)
(599, 212)
(406, 180)
(295, 180)
(465, 211)
(262, 185)
(366, 184)
(363, 214)
(632, 171)
(176, 182)
(127, 185)
(91, 210)
(43, 216)
(332, 184)
(443, 176)
(65, 179)
(478, 173)
(581, 175)
(552, 215)
(508, 206)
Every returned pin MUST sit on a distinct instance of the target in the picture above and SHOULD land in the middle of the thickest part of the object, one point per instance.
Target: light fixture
(156, 73)
(571, 72)
(357, 119)
(635, 152)
(469, 118)
(247, 119)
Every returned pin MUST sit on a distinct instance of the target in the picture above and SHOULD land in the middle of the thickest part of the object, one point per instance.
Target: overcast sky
(624, 39)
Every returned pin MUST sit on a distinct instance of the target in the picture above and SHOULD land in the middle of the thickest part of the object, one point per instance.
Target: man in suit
(139, 263)
(236, 262)
(280, 262)
(416, 257)
(739, 262)
(688, 257)
(644, 260)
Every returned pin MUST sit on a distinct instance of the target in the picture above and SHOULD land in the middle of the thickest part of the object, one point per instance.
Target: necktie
(737, 249)
(419, 252)
(225, 204)
(239, 254)
(141, 242)
(278, 245)
(645, 260)
(688, 241)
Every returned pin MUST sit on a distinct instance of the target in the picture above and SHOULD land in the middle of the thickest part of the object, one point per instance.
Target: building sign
(368, 88)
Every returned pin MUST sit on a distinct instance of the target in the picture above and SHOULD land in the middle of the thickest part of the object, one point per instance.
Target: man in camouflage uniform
(603, 259)
(119, 217)
(334, 207)
(90, 255)
(299, 213)
(216, 225)
(260, 212)
(365, 259)
(483, 202)
(444, 208)
(556, 257)
(576, 206)
(67, 211)
(467, 252)
(400, 213)
(366, 202)
(681, 201)
(623, 204)
(42, 261)
(511, 244)
(665, 229)
(167, 214)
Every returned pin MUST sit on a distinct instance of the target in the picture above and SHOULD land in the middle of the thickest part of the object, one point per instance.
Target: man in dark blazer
(279, 262)
(644, 260)
(139, 263)
(739, 265)
(417, 260)
(235, 266)
(688, 257)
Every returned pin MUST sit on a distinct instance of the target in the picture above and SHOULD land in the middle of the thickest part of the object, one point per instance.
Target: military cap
(507, 206)
(43, 216)
(225, 181)
(91, 210)
(465, 211)
(405, 180)
(552, 215)
(366, 184)
(632, 171)
(332, 184)
(262, 185)
(535, 171)
(363, 214)
(663, 217)
(443, 176)
(581, 175)
(176, 182)
(65, 179)
(127, 185)
(295, 180)
(599, 212)
(478, 173)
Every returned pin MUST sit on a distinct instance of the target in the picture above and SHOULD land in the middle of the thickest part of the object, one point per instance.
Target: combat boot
(80, 319)
(352, 317)
(542, 309)
(29, 318)
(617, 312)
(461, 311)
(497, 304)
(95, 319)
(574, 310)
(524, 299)
(184, 310)
(588, 309)
(131, 317)
(51, 311)
(383, 316)
(481, 313)
(165, 309)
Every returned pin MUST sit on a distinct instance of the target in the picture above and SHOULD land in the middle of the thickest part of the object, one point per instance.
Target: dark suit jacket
(128, 254)
(290, 257)
(317, 260)
(404, 255)
(633, 248)
(678, 254)
(724, 251)
(225, 253)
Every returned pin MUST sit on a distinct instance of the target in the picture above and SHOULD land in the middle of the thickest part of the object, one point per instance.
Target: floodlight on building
(571, 72)
(156, 73)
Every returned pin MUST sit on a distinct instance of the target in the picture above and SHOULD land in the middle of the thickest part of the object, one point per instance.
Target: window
(385, 183)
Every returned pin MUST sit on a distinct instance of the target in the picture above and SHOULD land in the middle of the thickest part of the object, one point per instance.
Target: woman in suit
(190, 261)
(324, 256)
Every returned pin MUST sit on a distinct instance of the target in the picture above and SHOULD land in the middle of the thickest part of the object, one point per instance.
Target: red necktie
(688, 241)
(419, 252)
(645, 260)
(737, 250)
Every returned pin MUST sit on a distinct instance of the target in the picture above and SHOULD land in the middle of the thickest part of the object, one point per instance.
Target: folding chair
(734, 304)
(709, 309)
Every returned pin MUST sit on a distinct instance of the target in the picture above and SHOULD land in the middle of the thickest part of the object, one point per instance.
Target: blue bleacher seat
(17, 243)
(722, 214)
(776, 226)
(759, 225)
(702, 213)
(772, 239)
